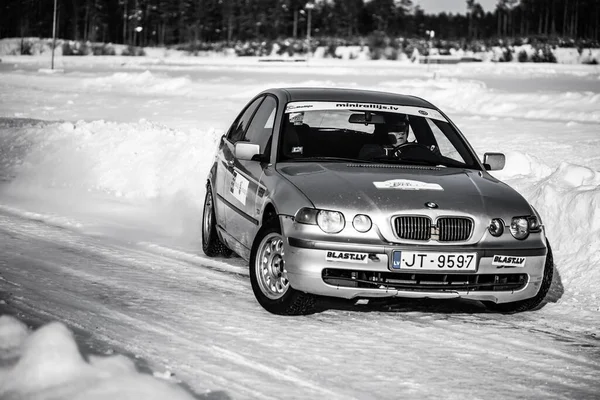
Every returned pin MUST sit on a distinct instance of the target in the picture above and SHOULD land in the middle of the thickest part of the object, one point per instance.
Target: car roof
(357, 95)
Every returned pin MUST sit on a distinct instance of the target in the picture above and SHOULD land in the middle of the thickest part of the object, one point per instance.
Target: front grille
(424, 282)
(448, 229)
(413, 228)
(454, 229)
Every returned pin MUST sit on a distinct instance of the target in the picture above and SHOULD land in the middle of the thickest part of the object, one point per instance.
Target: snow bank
(568, 199)
(352, 52)
(137, 161)
(456, 95)
(47, 364)
(36, 46)
(12, 46)
(144, 161)
(109, 178)
(145, 82)
(573, 56)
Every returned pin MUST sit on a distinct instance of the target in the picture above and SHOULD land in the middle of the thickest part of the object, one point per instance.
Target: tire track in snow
(78, 251)
(176, 313)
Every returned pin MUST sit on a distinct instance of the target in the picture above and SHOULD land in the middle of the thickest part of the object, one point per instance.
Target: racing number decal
(239, 187)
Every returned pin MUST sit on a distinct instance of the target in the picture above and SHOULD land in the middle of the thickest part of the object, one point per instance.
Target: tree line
(168, 22)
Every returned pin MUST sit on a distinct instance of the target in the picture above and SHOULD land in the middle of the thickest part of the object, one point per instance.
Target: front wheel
(268, 276)
(533, 302)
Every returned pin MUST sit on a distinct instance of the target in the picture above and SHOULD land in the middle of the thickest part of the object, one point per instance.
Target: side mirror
(494, 161)
(246, 151)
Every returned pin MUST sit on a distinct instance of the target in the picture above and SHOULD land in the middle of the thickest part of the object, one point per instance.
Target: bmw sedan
(361, 194)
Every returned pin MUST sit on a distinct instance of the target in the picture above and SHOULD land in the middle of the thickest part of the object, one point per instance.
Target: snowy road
(102, 170)
(198, 318)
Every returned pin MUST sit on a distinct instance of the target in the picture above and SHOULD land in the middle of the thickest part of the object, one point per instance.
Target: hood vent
(395, 166)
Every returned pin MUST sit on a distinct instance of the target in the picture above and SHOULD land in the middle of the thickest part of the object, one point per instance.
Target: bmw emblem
(431, 204)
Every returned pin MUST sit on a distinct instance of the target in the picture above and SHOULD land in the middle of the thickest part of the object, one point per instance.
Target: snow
(47, 364)
(120, 148)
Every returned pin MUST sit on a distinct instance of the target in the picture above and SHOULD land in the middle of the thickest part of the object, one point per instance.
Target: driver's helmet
(398, 131)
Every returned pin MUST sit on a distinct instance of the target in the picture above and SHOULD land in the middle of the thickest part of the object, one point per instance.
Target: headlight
(519, 227)
(330, 221)
(496, 227)
(362, 223)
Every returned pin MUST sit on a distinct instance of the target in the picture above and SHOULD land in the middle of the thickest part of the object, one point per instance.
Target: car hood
(394, 189)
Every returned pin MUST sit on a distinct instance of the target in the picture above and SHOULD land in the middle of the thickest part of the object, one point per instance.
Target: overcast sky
(453, 6)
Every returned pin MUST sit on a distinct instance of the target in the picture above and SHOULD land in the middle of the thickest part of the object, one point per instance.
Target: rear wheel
(268, 276)
(211, 244)
(533, 302)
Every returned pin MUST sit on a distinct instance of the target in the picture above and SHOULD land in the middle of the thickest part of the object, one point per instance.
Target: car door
(225, 161)
(245, 186)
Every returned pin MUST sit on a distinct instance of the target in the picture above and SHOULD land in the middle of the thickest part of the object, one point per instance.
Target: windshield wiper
(331, 159)
(405, 161)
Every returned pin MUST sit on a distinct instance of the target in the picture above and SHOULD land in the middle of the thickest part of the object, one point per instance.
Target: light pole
(431, 35)
(309, 6)
(138, 29)
(53, 35)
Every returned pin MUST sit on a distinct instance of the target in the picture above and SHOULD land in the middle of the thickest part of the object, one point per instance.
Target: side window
(236, 132)
(261, 127)
(447, 149)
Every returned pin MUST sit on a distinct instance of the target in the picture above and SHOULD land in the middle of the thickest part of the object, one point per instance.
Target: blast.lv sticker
(508, 261)
(239, 187)
(348, 257)
(407, 184)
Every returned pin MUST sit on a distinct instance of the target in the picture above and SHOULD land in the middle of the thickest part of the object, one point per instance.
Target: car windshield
(357, 132)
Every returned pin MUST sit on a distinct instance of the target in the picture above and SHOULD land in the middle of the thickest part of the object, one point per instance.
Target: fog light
(362, 223)
(519, 227)
(496, 227)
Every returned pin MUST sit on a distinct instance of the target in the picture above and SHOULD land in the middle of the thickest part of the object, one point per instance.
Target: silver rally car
(361, 194)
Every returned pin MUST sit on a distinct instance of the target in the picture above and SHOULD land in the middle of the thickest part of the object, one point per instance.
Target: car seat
(291, 146)
(377, 147)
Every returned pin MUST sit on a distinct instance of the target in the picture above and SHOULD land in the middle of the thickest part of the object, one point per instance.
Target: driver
(398, 135)
(391, 135)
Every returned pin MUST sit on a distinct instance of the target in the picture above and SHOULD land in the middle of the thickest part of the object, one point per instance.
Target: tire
(226, 251)
(269, 279)
(533, 302)
(211, 244)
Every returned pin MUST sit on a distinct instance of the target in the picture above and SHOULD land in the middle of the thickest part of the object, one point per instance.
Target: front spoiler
(305, 262)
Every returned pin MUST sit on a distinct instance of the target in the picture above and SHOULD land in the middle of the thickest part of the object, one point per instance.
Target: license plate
(423, 261)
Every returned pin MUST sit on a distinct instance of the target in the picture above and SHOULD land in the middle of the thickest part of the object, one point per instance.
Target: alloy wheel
(270, 267)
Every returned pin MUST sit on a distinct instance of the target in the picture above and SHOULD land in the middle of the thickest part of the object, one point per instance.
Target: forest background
(264, 27)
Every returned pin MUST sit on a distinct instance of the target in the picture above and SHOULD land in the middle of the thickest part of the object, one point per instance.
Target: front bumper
(309, 271)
